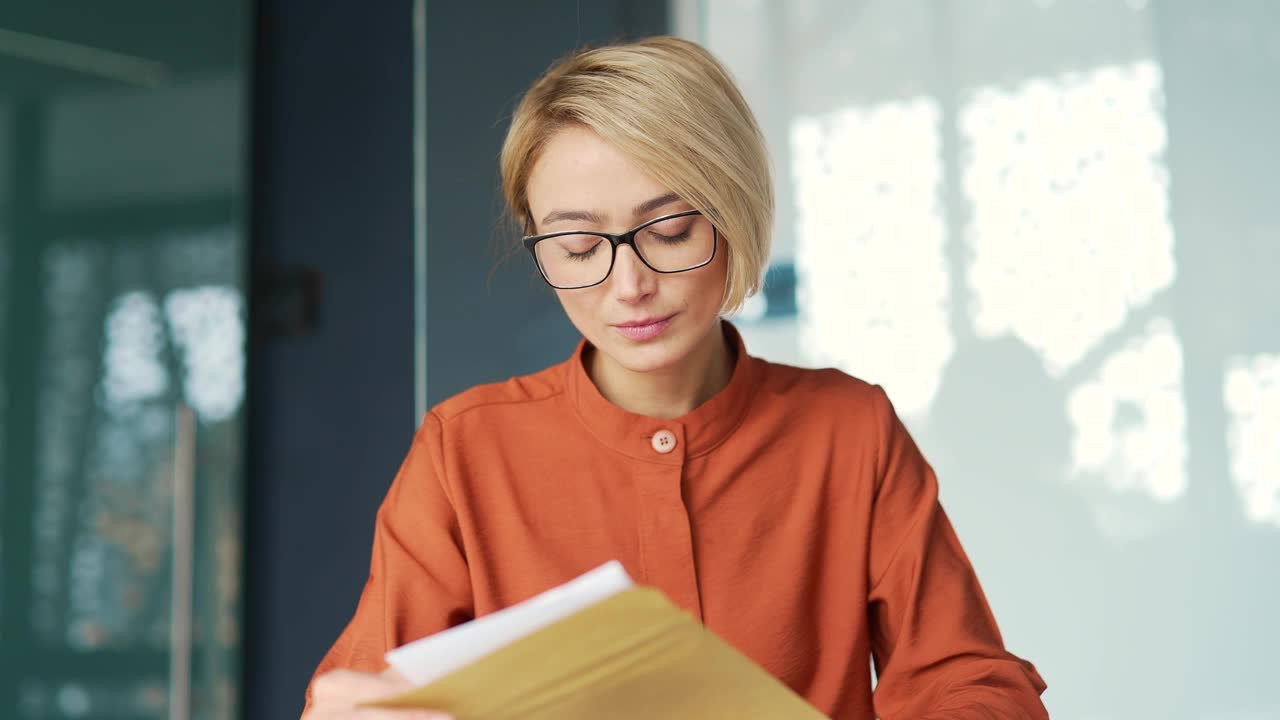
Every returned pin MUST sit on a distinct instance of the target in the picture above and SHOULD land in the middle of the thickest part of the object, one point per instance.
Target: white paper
(435, 656)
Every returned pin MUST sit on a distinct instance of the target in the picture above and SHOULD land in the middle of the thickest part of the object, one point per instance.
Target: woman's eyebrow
(649, 206)
(641, 210)
(585, 215)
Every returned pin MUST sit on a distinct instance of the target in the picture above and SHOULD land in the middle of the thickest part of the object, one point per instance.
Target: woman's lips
(647, 331)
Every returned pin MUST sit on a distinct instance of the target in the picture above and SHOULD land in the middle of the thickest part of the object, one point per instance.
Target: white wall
(1050, 230)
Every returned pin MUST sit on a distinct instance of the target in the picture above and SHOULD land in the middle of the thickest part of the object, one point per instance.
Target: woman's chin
(643, 357)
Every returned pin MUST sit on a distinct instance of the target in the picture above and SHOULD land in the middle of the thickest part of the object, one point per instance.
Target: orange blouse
(791, 513)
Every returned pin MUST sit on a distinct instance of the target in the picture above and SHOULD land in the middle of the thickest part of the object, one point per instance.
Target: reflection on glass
(71, 332)
(206, 326)
(1252, 394)
(138, 342)
(57, 700)
(121, 207)
(1070, 221)
(872, 285)
(133, 371)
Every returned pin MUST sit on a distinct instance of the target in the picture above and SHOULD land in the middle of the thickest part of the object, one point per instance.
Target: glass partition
(122, 357)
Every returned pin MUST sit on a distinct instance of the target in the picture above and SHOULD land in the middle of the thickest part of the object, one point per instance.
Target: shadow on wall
(998, 437)
(1001, 451)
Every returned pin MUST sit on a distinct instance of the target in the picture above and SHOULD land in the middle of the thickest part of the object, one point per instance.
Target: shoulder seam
(489, 403)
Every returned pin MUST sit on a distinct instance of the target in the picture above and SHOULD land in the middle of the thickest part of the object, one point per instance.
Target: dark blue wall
(485, 325)
(331, 411)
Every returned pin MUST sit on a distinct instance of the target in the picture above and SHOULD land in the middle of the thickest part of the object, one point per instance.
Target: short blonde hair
(673, 109)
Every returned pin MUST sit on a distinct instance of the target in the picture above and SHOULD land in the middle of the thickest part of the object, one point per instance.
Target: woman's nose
(632, 280)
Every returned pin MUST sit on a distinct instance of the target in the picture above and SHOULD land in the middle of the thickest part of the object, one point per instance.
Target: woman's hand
(335, 695)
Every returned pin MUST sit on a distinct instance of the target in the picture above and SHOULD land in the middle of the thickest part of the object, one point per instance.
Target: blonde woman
(787, 509)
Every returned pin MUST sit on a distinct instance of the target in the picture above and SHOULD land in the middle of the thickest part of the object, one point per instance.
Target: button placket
(665, 523)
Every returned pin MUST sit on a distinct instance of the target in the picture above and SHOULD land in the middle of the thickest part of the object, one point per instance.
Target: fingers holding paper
(338, 695)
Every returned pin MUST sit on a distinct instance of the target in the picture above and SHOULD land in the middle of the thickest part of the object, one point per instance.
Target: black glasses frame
(626, 238)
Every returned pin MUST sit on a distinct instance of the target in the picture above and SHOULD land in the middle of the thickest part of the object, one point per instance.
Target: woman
(787, 509)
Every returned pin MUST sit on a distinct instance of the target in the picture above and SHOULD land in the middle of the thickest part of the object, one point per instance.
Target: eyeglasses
(669, 244)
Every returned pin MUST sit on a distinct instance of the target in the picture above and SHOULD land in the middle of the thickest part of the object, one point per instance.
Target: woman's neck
(669, 392)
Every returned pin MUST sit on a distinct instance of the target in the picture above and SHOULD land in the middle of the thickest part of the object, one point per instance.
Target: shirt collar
(696, 432)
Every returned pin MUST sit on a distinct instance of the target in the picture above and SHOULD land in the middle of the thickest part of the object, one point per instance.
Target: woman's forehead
(577, 159)
(581, 177)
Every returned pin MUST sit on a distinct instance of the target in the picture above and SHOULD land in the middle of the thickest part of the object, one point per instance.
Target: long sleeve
(937, 650)
(418, 578)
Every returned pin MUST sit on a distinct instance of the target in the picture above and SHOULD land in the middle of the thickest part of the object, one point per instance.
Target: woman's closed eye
(673, 231)
(581, 250)
(670, 239)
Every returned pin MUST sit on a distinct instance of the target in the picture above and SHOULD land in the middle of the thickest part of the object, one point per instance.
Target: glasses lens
(577, 260)
(678, 243)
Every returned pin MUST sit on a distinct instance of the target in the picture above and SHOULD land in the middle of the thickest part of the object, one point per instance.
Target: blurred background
(244, 245)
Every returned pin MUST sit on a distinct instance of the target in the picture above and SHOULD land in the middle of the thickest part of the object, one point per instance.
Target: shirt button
(664, 441)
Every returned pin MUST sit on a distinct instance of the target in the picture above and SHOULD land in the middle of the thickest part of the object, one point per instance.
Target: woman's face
(580, 175)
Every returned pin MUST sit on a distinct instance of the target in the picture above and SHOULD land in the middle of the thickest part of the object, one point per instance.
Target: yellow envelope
(631, 655)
